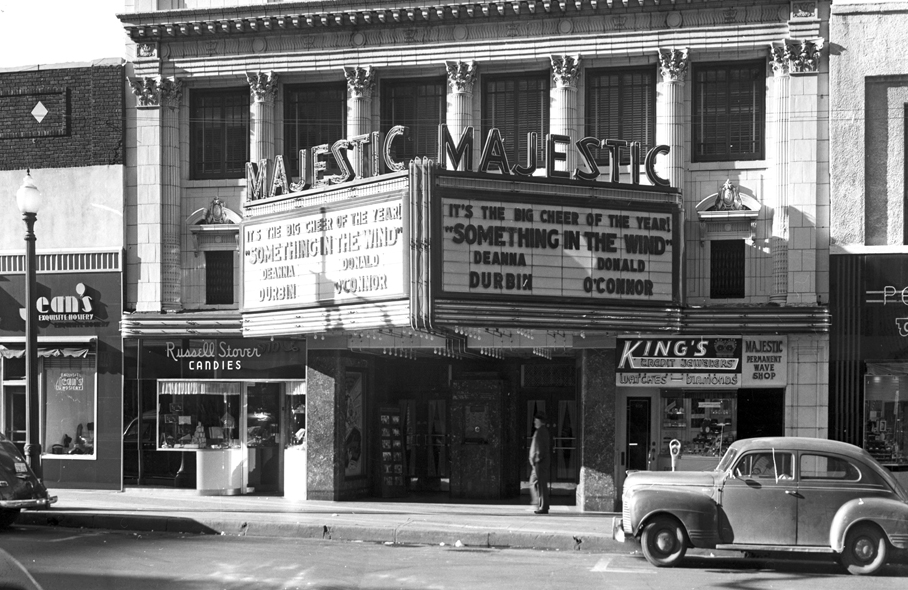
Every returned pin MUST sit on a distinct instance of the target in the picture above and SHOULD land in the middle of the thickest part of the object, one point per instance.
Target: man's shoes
(540, 512)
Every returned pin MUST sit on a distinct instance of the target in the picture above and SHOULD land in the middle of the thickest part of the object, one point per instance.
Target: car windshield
(727, 460)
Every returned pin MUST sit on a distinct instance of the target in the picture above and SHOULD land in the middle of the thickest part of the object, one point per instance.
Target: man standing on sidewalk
(540, 461)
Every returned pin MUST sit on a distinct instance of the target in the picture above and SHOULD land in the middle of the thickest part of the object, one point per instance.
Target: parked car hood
(673, 478)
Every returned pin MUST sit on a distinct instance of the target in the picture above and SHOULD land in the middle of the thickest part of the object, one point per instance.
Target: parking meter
(674, 449)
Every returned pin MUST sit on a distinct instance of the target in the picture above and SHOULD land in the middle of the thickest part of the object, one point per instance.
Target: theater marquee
(519, 248)
(343, 253)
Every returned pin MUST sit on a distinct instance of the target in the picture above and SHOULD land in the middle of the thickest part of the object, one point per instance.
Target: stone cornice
(357, 15)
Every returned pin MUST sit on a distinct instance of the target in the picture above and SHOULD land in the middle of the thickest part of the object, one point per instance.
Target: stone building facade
(724, 336)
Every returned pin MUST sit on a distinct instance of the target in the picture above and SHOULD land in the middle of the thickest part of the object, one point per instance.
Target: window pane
(729, 113)
(219, 133)
(420, 105)
(219, 278)
(824, 467)
(726, 269)
(313, 115)
(70, 406)
(621, 105)
(516, 106)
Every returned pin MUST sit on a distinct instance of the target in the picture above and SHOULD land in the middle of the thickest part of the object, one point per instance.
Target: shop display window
(70, 409)
(198, 414)
(296, 416)
(704, 422)
(885, 410)
(263, 410)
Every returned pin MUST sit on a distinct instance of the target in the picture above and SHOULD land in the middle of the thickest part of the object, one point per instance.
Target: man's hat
(539, 415)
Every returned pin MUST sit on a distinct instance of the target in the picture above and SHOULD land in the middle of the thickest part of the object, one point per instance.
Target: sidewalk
(477, 525)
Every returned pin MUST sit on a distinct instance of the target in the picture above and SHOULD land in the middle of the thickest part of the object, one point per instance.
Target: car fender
(890, 515)
(696, 511)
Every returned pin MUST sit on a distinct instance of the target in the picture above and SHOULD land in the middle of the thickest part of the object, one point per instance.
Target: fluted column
(778, 244)
(670, 114)
(148, 271)
(171, 289)
(459, 114)
(563, 114)
(360, 85)
(262, 90)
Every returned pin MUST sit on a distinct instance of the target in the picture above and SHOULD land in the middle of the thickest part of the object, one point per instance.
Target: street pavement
(398, 522)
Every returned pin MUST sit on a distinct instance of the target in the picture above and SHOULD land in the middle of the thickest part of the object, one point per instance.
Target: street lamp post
(28, 198)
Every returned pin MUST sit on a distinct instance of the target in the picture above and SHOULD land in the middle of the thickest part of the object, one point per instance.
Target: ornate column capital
(804, 55)
(565, 70)
(674, 64)
(779, 56)
(461, 75)
(360, 81)
(147, 90)
(171, 92)
(262, 85)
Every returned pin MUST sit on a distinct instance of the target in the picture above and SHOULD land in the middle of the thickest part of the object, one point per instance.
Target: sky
(35, 32)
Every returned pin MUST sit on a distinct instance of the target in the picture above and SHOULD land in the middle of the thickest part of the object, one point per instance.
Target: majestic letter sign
(494, 158)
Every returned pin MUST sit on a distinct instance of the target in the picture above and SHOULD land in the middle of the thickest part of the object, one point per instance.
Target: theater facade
(443, 220)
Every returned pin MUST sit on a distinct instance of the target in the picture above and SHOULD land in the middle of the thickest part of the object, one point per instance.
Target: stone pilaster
(262, 90)
(360, 85)
(149, 198)
(171, 93)
(778, 244)
(803, 150)
(459, 115)
(670, 114)
(596, 490)
(563, 115)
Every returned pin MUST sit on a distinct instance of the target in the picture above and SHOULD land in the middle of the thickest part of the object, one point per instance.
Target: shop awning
(188, 387)
(45, 352)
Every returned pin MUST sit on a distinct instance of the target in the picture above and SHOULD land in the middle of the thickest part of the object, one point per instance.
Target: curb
(404, 534)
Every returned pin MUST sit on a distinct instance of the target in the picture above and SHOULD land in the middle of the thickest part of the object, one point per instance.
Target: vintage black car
(771, 494)
(19, 488)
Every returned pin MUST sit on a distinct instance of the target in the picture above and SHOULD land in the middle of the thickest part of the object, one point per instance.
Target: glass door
(14, 415)
(263, 437)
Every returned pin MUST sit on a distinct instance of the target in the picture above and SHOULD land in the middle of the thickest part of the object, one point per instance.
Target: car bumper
(618, 533)
(29, 503)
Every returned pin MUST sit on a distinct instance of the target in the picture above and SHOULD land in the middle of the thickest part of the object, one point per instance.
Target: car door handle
(793, 493)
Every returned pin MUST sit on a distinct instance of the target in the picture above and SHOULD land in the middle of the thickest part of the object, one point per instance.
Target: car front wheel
(865, 550)
(664, 543)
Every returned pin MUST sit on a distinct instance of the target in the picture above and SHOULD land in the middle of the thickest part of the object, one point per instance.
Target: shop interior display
(705, 424)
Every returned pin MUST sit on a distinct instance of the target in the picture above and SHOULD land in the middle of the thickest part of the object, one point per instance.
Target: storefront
(79, 375)
(228, 414)
(704, 392)
(869, 366)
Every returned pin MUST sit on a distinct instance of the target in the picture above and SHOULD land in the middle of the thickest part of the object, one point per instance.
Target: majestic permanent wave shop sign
(484, 244)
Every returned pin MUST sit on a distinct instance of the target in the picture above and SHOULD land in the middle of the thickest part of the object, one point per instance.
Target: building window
(313, 115)
(70, 404)
(420, 105)
(517, 105)
(726, 272)
(219, 277)
(621, 104)
(219, 133)
(729, 113)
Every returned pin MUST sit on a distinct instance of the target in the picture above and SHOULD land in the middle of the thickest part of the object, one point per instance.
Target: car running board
(771, 548)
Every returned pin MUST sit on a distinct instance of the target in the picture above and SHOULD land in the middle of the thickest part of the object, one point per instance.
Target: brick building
(66, 124)
(694, 133)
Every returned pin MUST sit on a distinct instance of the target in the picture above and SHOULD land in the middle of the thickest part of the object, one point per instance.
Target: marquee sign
(519, 248)
(345, 253)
